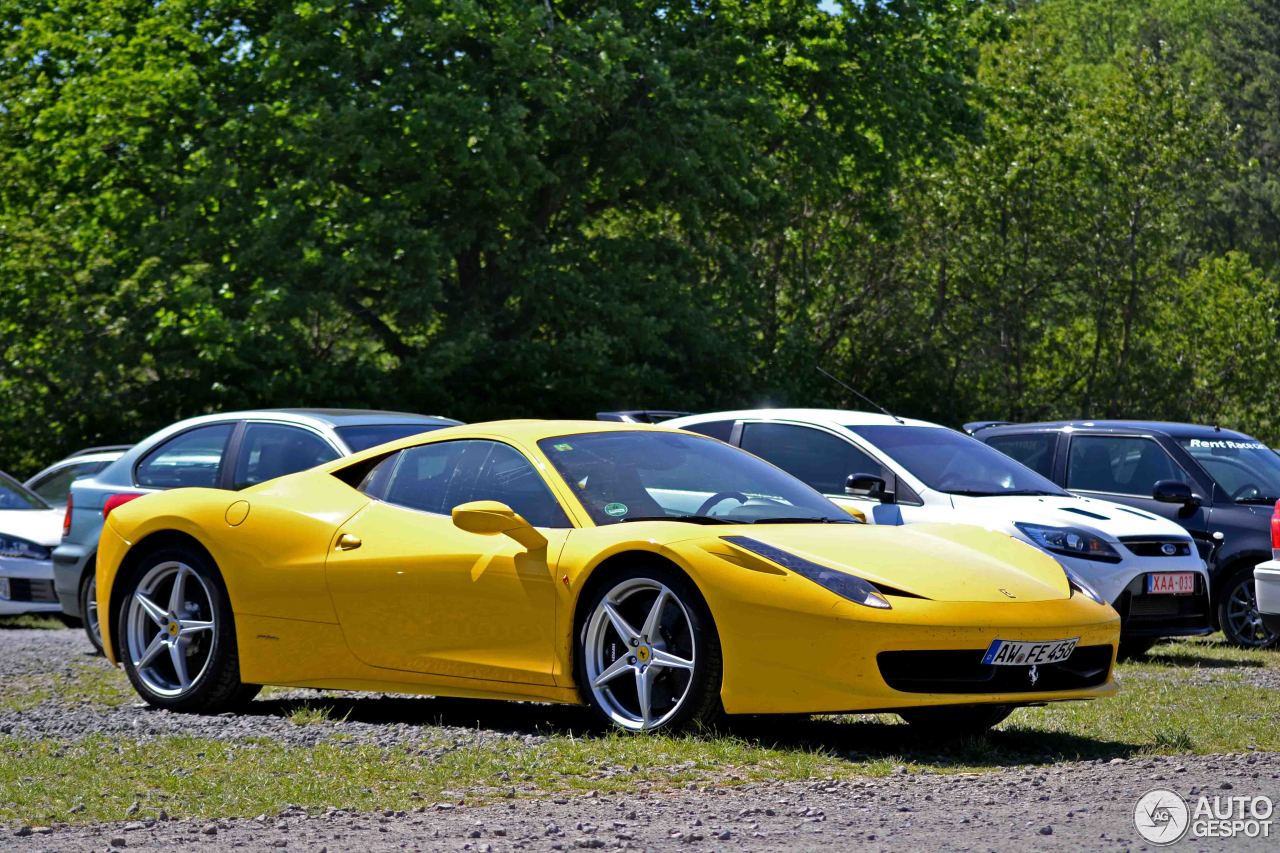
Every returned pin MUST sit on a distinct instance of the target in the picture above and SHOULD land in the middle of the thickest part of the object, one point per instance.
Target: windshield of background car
(14, 495)
(1247, 470)
(625, 476)
(948, 461)
(363, 437)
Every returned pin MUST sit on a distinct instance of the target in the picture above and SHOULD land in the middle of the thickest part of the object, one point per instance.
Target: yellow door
(414, 592)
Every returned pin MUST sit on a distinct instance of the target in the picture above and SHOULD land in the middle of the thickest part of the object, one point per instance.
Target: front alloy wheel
(177, 637)
(648, 654)
(1241, 621)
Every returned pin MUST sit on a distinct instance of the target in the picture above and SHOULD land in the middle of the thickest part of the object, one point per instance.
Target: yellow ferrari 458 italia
(660, 577)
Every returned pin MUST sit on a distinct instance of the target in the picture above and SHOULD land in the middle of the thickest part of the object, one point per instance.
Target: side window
(716, 429)
(818, 458)
(193, 458)
(1034, 450)
(53, 487)
(437, 477)
(268, 451)
(1123, 465)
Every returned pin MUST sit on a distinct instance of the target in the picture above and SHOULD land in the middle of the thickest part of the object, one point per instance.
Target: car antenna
(846, 386)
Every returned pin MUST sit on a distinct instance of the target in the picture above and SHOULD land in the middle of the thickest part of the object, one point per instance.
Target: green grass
(31, 620)
(1188, 697)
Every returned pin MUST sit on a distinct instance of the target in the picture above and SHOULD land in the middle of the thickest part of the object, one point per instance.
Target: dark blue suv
(1219, 484)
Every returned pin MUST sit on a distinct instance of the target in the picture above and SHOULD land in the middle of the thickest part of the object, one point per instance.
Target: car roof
(829, 417)
(324, 417)
(1169, 428)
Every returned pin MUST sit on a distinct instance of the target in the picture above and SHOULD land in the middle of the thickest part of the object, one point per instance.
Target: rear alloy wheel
(648, 655)
(89, 609)
(177, 635)
(1238, 613)
(963, 721)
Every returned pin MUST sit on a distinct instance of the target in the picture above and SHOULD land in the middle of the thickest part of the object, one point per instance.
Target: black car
(1219, 484)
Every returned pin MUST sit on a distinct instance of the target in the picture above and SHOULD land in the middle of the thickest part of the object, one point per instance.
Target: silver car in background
(53, 483)
(232, 450)
(28, 532)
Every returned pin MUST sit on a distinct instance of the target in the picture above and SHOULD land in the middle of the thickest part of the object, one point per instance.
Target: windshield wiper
(975, 493)
(791, 519)
(691, 519)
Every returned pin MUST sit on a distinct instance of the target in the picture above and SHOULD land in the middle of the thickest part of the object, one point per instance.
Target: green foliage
(512, 208)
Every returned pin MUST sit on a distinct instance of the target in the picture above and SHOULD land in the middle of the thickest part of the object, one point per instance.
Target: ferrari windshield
(640, 475)
(14, 495)
(950, 462)
(1247, 470)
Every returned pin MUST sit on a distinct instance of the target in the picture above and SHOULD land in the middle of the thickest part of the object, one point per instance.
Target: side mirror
(491, 517)
(1174, 492)
(868, 486)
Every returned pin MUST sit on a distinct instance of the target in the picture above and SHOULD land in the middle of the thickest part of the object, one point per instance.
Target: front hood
(942, 562)
(41, 526)
(1110, 519)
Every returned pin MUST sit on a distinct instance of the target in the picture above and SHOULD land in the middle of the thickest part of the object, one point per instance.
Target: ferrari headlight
(12, 546)
(1078, 585)
(1070, 542)
(842, 584)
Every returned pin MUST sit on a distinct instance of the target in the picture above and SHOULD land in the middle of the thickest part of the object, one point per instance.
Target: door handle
(347, 542)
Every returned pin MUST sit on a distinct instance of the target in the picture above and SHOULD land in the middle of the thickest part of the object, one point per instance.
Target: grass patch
(1194, 696)
(31, 620)
(308, 714)
(86, 684)
(190, 777)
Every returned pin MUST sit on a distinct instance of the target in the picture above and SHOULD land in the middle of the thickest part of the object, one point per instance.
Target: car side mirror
(491, 517)
(868, 486)
(1174, 492)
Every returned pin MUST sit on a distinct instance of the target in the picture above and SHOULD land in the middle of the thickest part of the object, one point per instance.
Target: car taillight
(118, 500)
(66, 519)
(1275, 528)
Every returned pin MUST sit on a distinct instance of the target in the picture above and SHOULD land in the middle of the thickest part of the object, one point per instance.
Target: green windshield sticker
(564, 445)
(616, 510)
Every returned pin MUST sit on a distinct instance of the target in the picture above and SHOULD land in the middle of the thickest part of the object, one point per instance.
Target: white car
(29, 530)
(898, 471)
(1266, 580)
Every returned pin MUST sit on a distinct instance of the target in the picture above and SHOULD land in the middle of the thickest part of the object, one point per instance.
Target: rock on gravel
(1079, 806)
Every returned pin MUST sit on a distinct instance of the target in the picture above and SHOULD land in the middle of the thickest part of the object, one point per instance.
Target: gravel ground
(1085, 806)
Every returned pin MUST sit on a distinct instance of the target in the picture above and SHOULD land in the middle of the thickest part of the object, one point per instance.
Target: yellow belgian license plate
(1017, 653)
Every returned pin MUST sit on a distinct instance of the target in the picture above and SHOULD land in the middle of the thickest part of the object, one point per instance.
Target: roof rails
(641, 416)
(975, 426)
(106, 448)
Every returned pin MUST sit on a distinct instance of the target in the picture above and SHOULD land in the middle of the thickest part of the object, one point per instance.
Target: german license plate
(1018, 653)
(1171, 583)
(4, 588)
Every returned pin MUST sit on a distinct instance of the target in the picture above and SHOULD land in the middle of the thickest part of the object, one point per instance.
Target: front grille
(964, 672)
(38, 592)
(1145, 546)
(1154, 612)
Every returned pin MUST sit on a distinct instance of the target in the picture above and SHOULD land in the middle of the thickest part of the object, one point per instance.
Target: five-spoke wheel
(1241, 621)
(177, 642)
(648, 655)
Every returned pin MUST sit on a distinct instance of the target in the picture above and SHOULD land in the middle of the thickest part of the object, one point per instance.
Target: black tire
(957, 722)
(88, 592)
(699, 707)
(1136, 648)
(1238, 615)
(217, 687)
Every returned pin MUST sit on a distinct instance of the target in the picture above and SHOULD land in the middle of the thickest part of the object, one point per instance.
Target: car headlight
(1078, 584)
(12, 546)
(1070, 542)
(843, 584)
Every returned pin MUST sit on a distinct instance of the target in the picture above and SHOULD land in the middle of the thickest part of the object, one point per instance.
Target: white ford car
(29, 530)
(898, 471)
